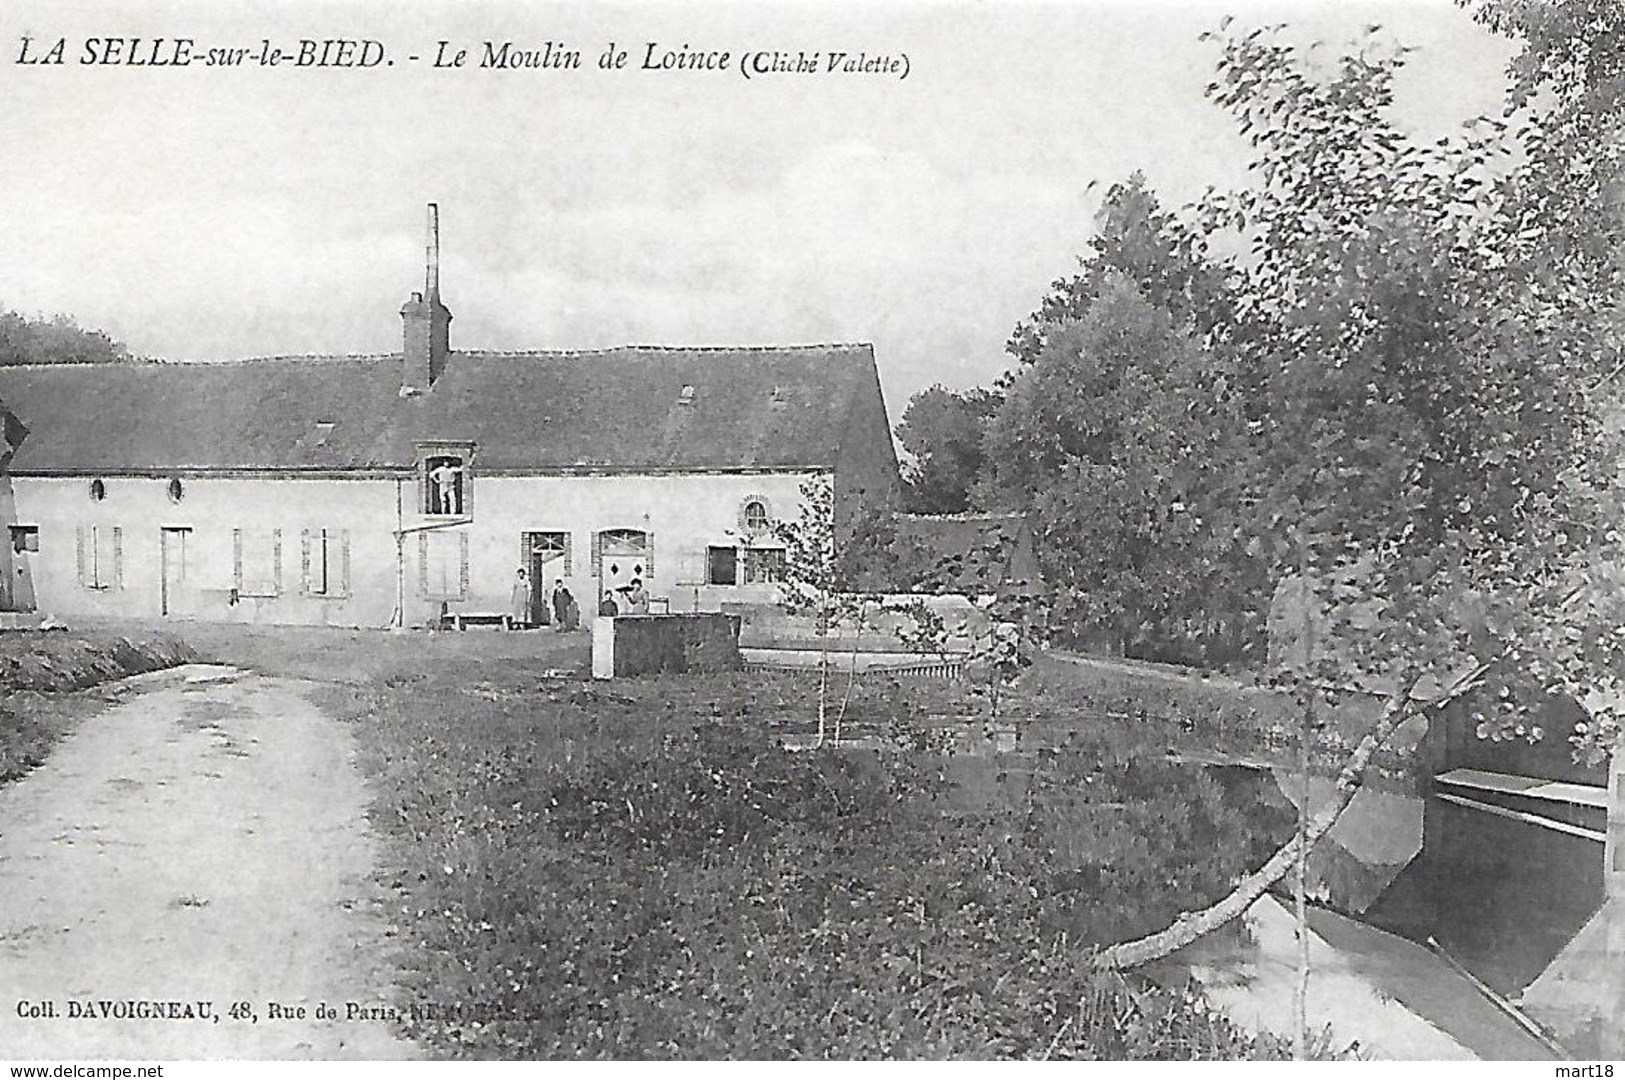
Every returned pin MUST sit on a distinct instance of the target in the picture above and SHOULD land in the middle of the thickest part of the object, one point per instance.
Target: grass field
(638, 869)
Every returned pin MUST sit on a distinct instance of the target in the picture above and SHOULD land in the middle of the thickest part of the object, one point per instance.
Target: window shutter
(79, 551)
(276, 562)
(344, 561)
(598, 555)
(118, 557)
(648, 560)
(567, 538)
(237, 559)
(304, 561)
(423, 564)
(525, 542)
(462, 565)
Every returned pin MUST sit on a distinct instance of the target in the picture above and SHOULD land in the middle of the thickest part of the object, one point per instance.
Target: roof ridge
(798, 347)
(319, 358)
(150, 362)
(294, 358)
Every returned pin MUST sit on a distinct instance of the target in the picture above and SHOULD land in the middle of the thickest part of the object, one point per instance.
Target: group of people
(565, 613)
(630, 599)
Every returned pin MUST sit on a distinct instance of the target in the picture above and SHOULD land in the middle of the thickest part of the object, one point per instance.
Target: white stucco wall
(684, 513)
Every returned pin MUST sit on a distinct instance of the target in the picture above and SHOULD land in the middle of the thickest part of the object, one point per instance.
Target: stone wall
(631, 645)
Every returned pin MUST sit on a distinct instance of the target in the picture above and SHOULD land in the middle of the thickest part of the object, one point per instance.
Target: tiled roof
(636, 407)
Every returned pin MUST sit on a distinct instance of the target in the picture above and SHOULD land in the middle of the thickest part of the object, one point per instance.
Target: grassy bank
(41, 673)
(639, 870)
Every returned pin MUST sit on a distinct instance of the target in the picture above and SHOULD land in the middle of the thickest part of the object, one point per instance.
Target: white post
(603, 647)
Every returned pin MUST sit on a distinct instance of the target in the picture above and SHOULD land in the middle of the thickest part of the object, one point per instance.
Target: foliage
(1161, 255)
(818, 582)
(57, 340)
(1417, 365)
(1116, 438)
(874, 557)
(941, 434)
(645, 873)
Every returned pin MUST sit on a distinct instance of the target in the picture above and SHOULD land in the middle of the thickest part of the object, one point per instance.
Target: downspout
(401, 532)
(399, 622)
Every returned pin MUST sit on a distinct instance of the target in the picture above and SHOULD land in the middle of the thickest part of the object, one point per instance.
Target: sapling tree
(818, 583)
(1014, 619)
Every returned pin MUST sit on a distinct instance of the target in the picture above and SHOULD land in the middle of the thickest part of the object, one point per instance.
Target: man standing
(444, 477)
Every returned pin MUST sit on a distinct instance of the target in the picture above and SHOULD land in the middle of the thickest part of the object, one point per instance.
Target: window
(443, 565)
(25, 538)
(686, 395)
(764, 564)
(98, 491)
(546, 555)
(257, 561)
(755, 515)
(722, 566)
(100, 556)
(445, 484)
(176, 492)
(325, 561)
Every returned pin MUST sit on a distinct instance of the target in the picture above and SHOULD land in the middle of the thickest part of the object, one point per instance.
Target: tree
(1119, 438)
(57, 340)
(1419, 345)
(941, 432)
(819, 581)
(1162, 255)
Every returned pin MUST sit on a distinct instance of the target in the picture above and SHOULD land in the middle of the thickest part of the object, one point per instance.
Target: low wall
(628, 645)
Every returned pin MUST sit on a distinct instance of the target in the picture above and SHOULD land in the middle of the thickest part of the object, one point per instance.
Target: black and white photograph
(882, 530)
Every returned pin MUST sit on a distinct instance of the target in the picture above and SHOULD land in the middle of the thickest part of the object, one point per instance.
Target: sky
(211, 213)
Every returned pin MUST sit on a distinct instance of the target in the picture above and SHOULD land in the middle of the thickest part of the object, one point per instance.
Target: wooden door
(546, 564)
(172, 573)
(623, 558)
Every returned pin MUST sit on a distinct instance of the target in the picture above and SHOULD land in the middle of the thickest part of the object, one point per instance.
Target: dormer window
(321, 433)
(446, 476)
(686, 395)
(443, 472)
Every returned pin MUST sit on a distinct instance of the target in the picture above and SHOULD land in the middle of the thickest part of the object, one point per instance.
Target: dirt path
(205, 841)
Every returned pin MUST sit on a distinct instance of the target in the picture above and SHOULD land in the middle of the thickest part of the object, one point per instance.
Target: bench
(462, 620)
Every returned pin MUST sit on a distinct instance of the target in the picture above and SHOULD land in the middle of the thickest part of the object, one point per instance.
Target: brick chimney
(427, 323)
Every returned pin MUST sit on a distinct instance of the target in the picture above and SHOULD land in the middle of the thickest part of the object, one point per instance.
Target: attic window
(686, 397)
(320, 433)
(98, 491)
(176, 492)
(777, 396)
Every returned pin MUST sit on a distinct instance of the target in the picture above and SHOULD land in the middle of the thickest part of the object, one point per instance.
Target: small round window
(175, 490)
(98, 491)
